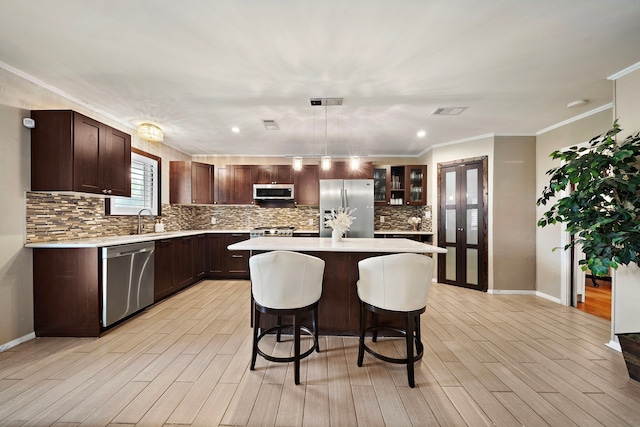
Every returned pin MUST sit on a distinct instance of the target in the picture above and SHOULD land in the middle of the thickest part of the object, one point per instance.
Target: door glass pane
(472, 186)
(450, 264)
(450, 225)
(472, 226)
(450, 180)
(472, 266)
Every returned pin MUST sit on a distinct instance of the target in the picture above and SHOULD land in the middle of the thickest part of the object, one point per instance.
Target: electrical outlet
(310, 221)
(213, 221)
(427, 214)
(381, 219)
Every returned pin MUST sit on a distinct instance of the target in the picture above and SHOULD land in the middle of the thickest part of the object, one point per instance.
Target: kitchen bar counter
(324, 244)
(339, 306)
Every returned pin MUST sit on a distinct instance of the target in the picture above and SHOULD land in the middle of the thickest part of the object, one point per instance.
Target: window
(145, 189)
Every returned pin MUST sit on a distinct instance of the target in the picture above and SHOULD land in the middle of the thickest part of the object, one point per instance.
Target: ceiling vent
(448, 111)
(316, 102)
(270, 124)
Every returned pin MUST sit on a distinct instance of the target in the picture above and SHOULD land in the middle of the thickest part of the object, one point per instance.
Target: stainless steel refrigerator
(348, 193)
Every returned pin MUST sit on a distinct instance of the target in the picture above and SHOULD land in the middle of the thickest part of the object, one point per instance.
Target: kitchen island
(339, 305)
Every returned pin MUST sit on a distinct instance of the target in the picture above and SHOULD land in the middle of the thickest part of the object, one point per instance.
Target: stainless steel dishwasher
(127, 280)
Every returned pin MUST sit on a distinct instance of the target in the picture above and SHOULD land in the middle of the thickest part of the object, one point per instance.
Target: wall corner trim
(17, 341)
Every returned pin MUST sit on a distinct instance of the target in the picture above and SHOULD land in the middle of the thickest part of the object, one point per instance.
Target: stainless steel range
(280, 231)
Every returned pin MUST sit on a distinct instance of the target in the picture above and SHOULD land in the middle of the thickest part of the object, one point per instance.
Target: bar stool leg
(363, 326)
(256, 328)
(419, 346)
(279, 329)
(314, 324)
(374, 317)
(410, 321)
(296, 348)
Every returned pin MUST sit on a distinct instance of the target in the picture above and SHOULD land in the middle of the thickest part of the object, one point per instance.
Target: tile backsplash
(64, 216)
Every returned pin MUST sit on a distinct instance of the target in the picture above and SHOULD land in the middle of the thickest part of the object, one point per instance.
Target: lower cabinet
(179, 262)
(223, 263)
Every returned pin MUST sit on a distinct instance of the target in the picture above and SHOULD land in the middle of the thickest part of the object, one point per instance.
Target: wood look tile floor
(507, 360)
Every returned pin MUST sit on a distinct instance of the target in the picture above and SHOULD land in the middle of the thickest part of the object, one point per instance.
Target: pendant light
(326, 159)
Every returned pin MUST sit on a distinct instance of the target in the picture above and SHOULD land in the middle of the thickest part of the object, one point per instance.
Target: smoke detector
(577, 103)
(448, 111)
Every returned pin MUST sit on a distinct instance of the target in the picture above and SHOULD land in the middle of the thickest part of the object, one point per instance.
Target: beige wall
(16, 294)
(514, 213)
(626, 289)
(19, 96)
(548, 262)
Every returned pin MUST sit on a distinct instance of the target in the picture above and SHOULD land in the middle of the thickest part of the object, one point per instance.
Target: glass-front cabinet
(400, 185)
(380, 185)
(415, 177)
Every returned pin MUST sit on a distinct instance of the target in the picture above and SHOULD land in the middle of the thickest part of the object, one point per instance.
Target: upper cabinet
(190, 182)
(307, 186)
(272, 174)
(342, 170)
(71, 152)
(400, 185)
(234, 185)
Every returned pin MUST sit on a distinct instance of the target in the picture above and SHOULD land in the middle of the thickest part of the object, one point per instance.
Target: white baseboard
(614, 345)
(548, 297)
(17, 341)
(509, 292)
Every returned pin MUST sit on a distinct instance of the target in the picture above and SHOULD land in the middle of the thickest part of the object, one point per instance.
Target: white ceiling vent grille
(270, 124)
(448, 111)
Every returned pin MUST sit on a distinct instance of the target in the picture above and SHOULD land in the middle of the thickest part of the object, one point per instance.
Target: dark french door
(462, 223)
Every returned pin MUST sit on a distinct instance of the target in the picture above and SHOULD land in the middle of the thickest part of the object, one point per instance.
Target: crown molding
(624, 72)
(576, 118)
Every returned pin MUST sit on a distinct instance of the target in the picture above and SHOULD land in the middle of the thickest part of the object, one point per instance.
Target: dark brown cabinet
(342, 170)
(163, 270)
(272, 174)
(190, 182)
(307, 185)
(66, 292)
(400, 185)
(182, 262)
(179, 262)
(72, 152)
(233, 185)
(223, 263)
(199, 257)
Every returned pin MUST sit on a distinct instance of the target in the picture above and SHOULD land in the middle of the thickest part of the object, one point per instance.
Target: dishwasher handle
(125, 250)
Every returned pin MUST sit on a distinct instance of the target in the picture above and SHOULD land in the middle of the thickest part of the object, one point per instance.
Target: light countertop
(97, 242)
(325, 244)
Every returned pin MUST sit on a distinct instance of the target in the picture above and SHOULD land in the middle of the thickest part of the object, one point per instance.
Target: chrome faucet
(140, 213)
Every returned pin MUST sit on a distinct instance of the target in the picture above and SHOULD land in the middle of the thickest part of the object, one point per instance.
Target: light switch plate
(213, 221)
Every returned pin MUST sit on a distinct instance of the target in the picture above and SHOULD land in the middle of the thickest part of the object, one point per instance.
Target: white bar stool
(285, 283)
(396, 283)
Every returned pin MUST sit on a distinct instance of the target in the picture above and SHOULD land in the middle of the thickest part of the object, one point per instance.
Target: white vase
(336, 236)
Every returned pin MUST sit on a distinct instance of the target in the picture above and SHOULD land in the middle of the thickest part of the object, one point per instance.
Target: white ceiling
(200, 67)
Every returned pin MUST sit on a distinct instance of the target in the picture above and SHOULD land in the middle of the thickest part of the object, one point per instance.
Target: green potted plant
(601, 209)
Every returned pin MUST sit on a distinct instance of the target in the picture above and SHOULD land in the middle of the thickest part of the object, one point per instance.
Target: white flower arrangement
(340, 219)
(414, 220)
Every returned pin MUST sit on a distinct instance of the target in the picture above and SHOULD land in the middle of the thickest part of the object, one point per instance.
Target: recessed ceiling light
(235, 129)
(421, 133)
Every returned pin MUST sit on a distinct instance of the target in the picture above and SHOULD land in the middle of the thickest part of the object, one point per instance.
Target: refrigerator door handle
(345, 203)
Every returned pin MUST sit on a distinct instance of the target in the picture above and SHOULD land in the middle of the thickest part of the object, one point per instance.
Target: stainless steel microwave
(273, 191)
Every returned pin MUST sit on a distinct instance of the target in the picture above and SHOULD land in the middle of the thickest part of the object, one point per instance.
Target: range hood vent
(448, 111)
(270, 124)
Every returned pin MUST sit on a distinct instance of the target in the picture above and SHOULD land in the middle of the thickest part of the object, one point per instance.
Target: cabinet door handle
(236, 235)
(237, 256)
